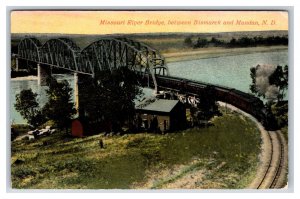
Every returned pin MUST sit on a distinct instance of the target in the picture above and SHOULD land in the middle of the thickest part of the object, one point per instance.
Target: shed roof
(160, 105)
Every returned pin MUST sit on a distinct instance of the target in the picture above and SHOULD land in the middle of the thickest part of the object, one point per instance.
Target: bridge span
(112, 53)
(102, 54)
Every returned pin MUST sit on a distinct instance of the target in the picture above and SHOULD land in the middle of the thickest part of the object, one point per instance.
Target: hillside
(225, 155)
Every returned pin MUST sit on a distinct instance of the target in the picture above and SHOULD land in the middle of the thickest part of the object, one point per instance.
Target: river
(231, 71)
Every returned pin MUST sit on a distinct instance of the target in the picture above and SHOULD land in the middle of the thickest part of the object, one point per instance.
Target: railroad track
(272, 172)
(274, 176)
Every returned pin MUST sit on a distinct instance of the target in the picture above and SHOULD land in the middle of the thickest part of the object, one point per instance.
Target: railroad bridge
(112, 53)
(103, 54)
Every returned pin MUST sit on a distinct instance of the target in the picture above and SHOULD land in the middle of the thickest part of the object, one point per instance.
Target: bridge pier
(43, 74)
(17, 64)
(76, 91)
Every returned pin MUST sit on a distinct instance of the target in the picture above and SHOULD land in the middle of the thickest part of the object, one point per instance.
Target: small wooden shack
(169, 115)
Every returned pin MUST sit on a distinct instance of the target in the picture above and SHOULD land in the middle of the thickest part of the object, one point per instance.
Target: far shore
(212, 52)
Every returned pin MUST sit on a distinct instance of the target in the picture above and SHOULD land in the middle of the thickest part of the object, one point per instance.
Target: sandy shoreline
(31, 77)
(204, 53)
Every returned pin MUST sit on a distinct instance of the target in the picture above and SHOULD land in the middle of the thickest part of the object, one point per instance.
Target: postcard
(149, 99)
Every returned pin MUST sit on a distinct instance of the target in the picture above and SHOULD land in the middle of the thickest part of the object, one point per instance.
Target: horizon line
(149, 32)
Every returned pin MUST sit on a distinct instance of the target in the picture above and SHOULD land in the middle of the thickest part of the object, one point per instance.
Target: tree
(201, 43)
(253, 88)
(110, 97)
(59, 107)
(207, 105)
(233, 42)
(216, 42)
(188, 41)
(213, 40)
(279, 78)
(269, 82)
(27, 105)
(280, 112)
(246, 42)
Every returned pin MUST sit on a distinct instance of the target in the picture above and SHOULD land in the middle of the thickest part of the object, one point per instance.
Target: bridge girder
(102, 54)
(28, 48)
(60, 53)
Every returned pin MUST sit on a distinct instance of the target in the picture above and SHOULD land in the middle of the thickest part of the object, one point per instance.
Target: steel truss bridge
(103, 54)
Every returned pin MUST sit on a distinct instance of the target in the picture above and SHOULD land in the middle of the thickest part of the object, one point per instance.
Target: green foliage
(207, 103)
(23, 172)
(110, 97)
(258, 41)
(279, 78)
(207, 107)
(280, 111)
(243, 42)
(21, 128)
(188, 41)
(28, 107)
(201, 43)
(233, 42)
(216, 42)
(253, 88)
(48, 123)
(59, 107)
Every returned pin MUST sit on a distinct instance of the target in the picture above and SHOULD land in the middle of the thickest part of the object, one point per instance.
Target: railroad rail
(274, 175)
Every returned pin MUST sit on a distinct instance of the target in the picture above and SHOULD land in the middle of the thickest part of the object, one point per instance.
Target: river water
(231, 71)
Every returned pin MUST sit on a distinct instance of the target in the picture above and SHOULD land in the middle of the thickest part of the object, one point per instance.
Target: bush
(23, 172)
(21, 128)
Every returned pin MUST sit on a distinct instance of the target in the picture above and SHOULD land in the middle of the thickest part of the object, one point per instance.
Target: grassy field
(226, 155)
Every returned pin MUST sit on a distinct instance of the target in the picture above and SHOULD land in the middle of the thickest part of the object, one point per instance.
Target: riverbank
(27, 78)
(35, 78)
(212, 52)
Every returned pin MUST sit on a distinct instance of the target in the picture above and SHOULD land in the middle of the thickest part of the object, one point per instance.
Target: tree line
(240, 42)
(59, 108)
(108, 98)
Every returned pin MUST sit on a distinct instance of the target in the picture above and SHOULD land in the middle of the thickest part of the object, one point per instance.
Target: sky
(110, 22)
